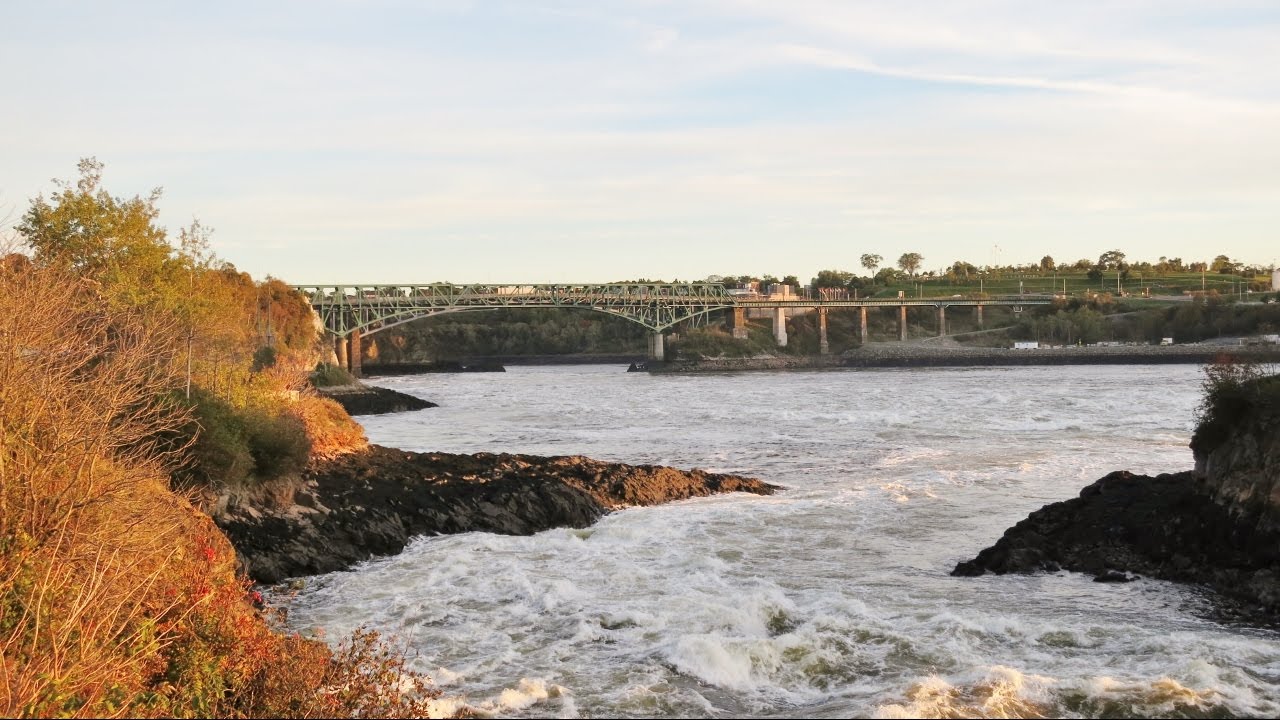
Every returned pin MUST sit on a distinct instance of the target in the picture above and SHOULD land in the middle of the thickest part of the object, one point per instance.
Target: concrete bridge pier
(942, 320)
(902, 323)
(979, 308)
(657, 350)
(340, 351)
(823, 347)
(863, 323)
(356, 352)
(780, 326)
(738, 323)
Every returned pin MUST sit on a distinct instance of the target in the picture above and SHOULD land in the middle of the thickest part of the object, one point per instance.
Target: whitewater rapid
(831, 599)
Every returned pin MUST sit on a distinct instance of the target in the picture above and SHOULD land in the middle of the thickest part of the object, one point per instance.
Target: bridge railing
(448, 293)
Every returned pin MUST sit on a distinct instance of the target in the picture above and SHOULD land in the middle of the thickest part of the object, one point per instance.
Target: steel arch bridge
(346, 309)
(349, 311)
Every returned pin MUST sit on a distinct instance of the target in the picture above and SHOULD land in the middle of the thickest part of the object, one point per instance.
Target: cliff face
(1242, 472)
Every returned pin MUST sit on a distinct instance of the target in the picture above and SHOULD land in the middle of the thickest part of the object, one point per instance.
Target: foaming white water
(831, 599)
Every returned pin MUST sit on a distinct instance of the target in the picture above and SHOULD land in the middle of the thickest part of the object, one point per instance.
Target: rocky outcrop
(359, 505)
(1167, 527)
(361, 399)
(1218, 525)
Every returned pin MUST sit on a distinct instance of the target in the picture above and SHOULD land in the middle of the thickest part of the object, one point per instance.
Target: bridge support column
(823, 346)
(780, 326)
(902, 323)
(979, 307)
(657, 350)
(942, 320)
(340, 351)
(356, 352)
(738, 323)
(863, 322)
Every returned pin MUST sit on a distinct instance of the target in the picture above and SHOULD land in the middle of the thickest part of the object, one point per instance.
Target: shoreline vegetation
(139, 382)
(147, 388)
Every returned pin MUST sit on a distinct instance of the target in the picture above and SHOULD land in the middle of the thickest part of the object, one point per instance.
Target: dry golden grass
(329, 428)
(117, 597)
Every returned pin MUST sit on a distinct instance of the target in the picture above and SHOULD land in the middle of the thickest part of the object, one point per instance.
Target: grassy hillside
(136, 378)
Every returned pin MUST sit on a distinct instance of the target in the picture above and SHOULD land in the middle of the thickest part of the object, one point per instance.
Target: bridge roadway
(350, 311)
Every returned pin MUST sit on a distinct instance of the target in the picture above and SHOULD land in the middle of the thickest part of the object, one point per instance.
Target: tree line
(908, 267)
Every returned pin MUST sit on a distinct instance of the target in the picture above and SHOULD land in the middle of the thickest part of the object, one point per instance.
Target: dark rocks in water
(1167, 527)
(637, 367)
(442, 366)
(371, 502)
(361, 399)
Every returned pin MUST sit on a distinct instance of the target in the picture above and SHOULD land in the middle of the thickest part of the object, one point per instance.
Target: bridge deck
(346, 308)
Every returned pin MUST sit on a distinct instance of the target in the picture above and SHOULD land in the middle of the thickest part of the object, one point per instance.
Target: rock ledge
(356, 506)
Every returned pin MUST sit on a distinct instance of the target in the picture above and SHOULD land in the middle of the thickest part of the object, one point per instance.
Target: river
(830, 599)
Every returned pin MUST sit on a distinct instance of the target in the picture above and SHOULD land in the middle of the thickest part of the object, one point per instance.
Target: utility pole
(191, 290)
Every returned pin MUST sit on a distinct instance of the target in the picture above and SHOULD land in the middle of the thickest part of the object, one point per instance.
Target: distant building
(1032, 345)
(1275, 279)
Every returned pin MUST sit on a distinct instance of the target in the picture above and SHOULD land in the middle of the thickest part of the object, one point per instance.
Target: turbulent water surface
(830, 599)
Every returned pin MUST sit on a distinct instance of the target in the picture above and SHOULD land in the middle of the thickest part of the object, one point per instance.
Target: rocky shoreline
(382, 369)
(371, 502)
(890, 355)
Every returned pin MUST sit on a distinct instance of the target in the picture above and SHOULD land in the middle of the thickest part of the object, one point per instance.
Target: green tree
(832, 279)
(871, 261)
(1047, 264)
(112, 241)
(887, 276)
(1110, 260)
(1223, 264)
(962, 270)
(910, 262)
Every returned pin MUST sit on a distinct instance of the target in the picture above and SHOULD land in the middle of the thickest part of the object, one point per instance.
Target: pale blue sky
(540, 141)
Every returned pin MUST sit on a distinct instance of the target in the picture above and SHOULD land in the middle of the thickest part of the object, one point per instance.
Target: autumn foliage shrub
(326, 375)
(329, 428)
(118, 598)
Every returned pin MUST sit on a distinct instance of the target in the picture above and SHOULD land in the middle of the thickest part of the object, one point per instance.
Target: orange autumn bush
(118, 597)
